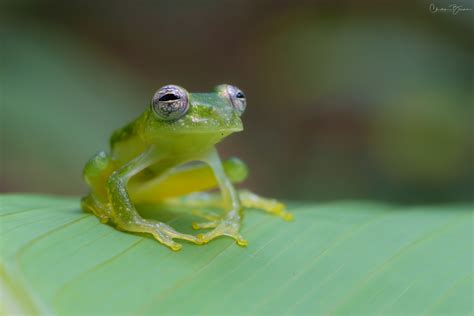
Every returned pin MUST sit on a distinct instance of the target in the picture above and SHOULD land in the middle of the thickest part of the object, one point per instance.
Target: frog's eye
(236, 96)
(170, 103)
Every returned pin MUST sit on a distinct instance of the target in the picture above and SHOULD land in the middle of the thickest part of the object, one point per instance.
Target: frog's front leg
(229, 225)
(123, 211)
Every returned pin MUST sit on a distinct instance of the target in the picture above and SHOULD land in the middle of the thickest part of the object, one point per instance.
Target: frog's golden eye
(235, 95)
(170, 103)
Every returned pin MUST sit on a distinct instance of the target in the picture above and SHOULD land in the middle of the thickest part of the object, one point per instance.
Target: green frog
(149, 162)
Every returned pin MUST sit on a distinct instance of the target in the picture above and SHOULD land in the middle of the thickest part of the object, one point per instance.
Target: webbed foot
(228, 226)
(90, 204)
(165, 234)
(160, 231)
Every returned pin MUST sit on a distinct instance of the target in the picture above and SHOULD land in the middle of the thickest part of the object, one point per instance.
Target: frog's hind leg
(96, 172)
(200, 201)
(180, 188)
(172, 188)
(270, 206)
(184, 180)
(90, 204)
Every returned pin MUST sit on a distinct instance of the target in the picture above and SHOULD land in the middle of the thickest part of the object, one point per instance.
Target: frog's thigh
(183, 181)
(96, 172)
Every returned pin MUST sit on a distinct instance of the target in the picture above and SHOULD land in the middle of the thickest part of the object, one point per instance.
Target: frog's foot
(90, 204)
(209, 216)
(228, 226)
(270, 206)
(206, 225)
(276, 208)
(165, 234)
(160, 231)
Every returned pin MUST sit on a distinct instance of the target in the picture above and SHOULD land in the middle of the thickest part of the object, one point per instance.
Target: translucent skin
(145, 165)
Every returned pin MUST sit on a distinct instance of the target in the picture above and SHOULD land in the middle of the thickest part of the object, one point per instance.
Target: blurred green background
(351, 99)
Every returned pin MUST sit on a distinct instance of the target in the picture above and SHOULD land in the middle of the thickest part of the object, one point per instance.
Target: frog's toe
(287, 216)
(90, 204)
(210, 216)
(174, 246)
(165, 234)
(104, 219)
(167, 241)
(205, 225)
(279, 209)
(190, 238)
(187, 237)
(224, 230)
(271, 206)
(241, 241)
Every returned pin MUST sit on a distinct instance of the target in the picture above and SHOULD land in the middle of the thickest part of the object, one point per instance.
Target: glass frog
(149, 162)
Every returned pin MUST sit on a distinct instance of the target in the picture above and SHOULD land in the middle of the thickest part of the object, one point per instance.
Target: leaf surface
(341, 258)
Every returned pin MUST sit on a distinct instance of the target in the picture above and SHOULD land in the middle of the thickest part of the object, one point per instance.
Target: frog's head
(194, 119)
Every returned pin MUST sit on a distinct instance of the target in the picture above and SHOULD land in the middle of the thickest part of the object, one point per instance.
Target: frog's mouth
(216, 136)
(217, 130)
(232, 130)
(227, 131)
(223, 131)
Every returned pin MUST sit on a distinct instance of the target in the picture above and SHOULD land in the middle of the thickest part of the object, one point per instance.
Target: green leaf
(338, 258)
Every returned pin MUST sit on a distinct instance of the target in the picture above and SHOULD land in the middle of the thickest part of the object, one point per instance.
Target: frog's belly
(177, 182)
